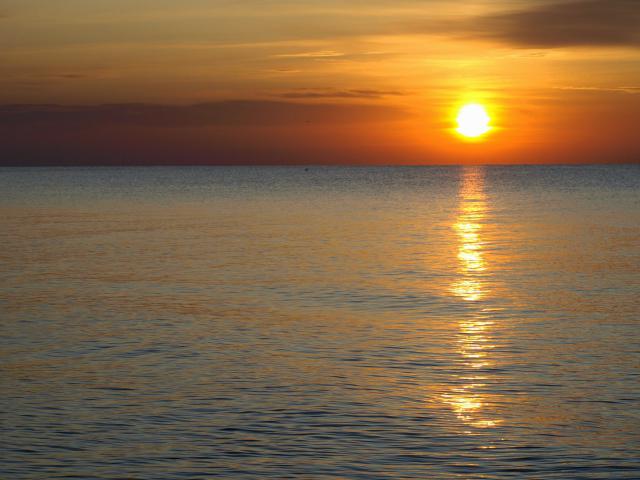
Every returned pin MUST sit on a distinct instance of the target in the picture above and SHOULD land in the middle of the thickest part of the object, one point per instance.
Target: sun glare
(473, 121)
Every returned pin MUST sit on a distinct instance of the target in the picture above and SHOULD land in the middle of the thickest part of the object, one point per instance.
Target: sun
(473, 121)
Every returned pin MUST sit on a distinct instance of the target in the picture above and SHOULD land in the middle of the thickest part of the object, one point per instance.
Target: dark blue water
(346, 323)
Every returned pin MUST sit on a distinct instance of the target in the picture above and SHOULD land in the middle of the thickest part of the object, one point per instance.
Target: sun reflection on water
(474, 343)
(468, 227)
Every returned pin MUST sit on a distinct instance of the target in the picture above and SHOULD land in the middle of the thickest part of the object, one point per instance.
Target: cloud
(564, 24)
(315, 54)
(231, 113)
(283, 70)
(70, 76)
(354, 93)
(225, 132)
(628, 89)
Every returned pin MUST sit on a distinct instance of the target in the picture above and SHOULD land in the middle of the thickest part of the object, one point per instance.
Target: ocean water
(320, 323)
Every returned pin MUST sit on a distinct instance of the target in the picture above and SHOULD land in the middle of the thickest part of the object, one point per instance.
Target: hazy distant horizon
(308, 165)
(63, 135)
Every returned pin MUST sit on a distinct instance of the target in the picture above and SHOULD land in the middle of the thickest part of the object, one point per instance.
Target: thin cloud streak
(629, 90)
(355, 93)
(317, 54)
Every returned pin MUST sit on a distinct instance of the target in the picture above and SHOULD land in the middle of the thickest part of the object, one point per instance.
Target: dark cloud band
(235, 112)
(566, 24)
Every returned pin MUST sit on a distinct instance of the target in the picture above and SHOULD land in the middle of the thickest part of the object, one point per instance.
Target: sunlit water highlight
(357, 323)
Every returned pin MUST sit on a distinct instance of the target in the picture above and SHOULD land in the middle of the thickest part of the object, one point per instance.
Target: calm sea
(320, 323)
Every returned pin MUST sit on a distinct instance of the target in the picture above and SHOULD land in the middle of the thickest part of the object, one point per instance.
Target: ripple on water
(345, 323)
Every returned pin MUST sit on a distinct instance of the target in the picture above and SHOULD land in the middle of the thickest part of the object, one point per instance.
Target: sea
(460, 322)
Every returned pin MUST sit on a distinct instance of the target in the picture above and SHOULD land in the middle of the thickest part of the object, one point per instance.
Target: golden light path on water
(474, 342)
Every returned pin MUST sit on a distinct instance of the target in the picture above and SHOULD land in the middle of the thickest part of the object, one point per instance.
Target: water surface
(347, 323)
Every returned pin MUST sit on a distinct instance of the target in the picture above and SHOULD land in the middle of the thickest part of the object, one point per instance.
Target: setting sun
(473, 121)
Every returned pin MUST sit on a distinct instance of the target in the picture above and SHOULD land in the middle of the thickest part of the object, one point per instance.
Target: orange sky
(310, 81)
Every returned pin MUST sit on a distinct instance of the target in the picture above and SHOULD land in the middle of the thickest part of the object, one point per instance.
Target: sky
(135, 82)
